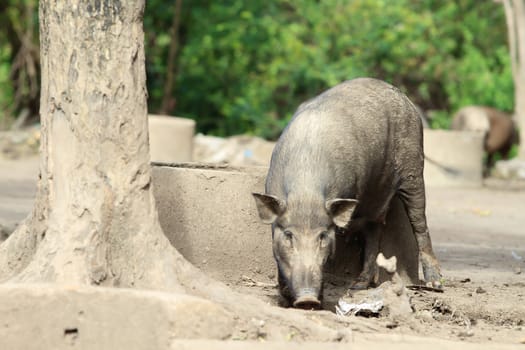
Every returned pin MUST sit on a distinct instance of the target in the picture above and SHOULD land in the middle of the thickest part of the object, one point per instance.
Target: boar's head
(303, 240)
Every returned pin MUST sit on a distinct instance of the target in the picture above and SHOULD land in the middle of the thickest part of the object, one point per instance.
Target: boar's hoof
(431, 271)
(435, 285)
(360, 285)
(307, 302)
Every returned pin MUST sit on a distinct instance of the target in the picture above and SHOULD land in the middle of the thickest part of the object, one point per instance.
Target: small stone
(342, 335)
(258, 323)
(425, 316)
(392, 324)
(510, 169)
(6, 230)
(517, 270)
(388, 264)
(465, 333)
(480, 290)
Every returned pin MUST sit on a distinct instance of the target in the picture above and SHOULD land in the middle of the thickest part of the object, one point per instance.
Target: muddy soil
(468, 311)
(478, 235)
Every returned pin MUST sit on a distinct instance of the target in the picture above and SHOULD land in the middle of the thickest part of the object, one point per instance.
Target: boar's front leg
(369, 275)
(412, 193)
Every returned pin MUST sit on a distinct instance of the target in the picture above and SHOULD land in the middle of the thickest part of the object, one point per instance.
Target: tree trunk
(515, 16)
(95, 219)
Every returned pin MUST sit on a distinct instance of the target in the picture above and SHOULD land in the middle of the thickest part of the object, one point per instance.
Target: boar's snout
(307, 299)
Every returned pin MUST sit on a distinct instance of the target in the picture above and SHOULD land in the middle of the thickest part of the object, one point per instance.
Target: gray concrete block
(209, 215)
(513, 169)
(453, 158)
(64, 317)
(171, 138)
(240, 150)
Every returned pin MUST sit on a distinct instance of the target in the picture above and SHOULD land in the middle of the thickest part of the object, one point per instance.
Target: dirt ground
(479, 238)
(478, 235)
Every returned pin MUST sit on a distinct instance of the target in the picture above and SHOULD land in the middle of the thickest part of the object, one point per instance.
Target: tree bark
(515, 17)
(95, 219)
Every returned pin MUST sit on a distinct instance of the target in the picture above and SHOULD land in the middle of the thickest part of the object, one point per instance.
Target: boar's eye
(288, 235)
(323, 238)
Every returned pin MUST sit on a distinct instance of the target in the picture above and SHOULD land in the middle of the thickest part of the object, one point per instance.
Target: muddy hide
(396, 239)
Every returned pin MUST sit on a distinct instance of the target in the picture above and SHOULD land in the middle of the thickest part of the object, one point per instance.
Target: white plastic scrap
(344, 309)
(516, 256)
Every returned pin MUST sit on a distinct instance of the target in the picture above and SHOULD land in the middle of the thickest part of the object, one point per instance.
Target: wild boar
(498, 128)
(336, 166)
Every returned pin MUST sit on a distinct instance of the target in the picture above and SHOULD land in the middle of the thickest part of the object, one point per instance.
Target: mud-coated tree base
(94, 220)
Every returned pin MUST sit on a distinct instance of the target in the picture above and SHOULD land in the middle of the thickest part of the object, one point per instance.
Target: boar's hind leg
(369, 274)
(412, 193)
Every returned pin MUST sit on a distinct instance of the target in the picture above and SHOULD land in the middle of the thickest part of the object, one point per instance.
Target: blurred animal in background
(498, 127)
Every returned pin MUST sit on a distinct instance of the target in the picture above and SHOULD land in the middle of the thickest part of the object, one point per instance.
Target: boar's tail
(449, 170)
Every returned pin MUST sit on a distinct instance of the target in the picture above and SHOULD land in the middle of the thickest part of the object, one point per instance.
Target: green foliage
(481, 72)
(440, 120)
(19, 75)
(245, 66)
(482, 80)
(6, 89)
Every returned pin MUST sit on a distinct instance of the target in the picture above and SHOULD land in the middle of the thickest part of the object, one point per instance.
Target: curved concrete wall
(209, 215)
(453, 158)
(171, 138)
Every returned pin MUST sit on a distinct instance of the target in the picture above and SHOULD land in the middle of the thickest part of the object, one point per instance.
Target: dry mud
(478, 235)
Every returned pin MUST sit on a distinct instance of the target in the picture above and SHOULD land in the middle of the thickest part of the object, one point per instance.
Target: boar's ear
(341, 210)
(269, 207)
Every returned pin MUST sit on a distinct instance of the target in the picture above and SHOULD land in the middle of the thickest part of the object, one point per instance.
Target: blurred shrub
(244, 66)
(6, 88)
(19, 60)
